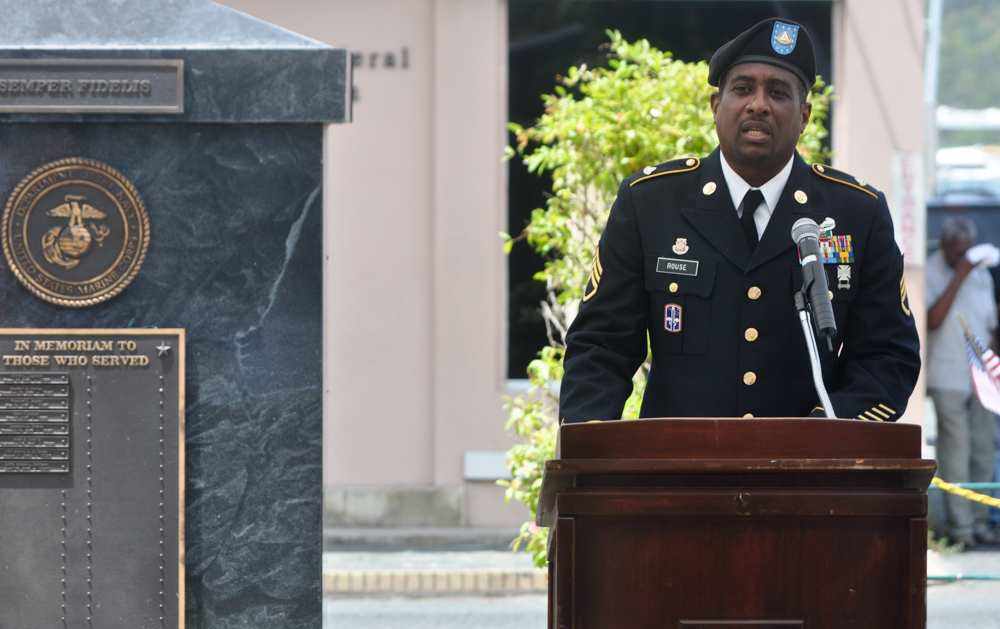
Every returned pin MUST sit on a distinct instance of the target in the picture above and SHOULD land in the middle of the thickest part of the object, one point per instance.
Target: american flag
(985, 368)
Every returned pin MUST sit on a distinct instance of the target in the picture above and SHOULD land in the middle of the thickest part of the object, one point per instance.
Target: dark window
(546, 37)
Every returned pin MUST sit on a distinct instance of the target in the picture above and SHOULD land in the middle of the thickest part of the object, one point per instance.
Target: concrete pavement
(526, 611)
(964, 604)
(951, 605)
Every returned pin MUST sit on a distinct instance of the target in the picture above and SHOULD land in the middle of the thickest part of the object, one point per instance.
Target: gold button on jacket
(749, 378)
(751, 334)
(753, 293)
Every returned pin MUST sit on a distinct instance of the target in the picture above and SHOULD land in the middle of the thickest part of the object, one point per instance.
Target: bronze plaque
(92, 478)
(75, 233)
(92, 86)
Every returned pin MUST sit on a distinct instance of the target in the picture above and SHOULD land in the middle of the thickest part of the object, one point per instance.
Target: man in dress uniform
(699, 253)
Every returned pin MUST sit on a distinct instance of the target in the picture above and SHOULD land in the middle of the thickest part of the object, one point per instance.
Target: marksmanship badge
(75, 232)
(844, 276)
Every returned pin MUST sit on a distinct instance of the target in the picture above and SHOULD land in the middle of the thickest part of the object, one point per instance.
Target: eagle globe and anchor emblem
(75, 232)
(66, 245)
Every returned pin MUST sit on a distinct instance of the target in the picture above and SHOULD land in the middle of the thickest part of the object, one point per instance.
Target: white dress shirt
(771, 190)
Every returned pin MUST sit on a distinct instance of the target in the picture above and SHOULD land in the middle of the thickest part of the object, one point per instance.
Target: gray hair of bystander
(958, 229)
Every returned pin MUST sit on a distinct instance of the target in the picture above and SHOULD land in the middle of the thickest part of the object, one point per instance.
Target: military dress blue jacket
(725, 336)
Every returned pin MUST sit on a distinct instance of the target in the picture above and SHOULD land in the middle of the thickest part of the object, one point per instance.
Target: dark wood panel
(739, 439)
(742, 503)
(738, 523)
(780, 466)
(643, 572)
(552, 591)
(565, 599)
(561, 474)
(918, 573)
(749, 479)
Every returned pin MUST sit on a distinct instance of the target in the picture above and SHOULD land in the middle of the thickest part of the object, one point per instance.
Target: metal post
(932, 59)
(817, 370)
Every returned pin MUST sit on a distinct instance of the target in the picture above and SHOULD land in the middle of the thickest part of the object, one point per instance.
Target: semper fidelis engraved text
(75, 232)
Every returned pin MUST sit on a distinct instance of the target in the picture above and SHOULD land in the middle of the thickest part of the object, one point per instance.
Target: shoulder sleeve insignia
(596, 270)
(841, 177)
(669, 168)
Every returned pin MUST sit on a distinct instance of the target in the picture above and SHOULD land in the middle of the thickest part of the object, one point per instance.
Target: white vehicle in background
(968, 184)
(968, 174)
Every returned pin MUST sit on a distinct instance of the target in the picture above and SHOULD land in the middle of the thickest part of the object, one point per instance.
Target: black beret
(779, 42)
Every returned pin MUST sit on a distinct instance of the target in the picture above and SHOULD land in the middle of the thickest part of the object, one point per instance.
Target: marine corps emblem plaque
(75, 232)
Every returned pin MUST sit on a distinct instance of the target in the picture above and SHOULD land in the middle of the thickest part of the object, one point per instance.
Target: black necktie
(751, 201)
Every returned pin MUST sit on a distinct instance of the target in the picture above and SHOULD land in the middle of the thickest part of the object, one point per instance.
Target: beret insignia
(783, 37)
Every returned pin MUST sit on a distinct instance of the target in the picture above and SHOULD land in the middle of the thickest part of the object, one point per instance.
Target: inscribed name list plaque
(92, 478)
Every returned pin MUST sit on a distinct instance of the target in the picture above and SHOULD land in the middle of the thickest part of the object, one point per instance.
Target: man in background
(956, 287)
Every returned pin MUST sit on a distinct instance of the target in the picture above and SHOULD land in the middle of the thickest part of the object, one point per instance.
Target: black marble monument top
(236, 68)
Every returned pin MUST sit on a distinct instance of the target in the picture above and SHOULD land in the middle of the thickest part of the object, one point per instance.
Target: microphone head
(804, 228)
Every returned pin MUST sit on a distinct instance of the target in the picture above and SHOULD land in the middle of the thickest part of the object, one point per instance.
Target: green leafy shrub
(600, 126)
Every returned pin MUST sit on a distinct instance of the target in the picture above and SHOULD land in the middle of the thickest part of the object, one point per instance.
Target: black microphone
(805, 233)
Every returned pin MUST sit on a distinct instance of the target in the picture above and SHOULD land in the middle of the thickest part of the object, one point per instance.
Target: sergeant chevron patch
(902, 296)
(596, 270)
(877, 413)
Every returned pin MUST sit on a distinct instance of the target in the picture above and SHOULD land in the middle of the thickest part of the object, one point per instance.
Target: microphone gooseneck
(805, 233)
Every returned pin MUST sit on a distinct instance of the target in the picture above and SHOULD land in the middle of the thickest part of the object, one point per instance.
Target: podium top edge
(739, 420)
(738, 438)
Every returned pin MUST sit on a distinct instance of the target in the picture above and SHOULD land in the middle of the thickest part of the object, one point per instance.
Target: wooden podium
(737, 524)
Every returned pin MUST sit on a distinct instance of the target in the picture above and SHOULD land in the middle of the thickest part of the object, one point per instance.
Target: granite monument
(216, 119)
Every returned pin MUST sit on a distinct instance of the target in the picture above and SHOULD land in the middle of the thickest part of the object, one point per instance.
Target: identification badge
(677, 267)
(672, 318)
